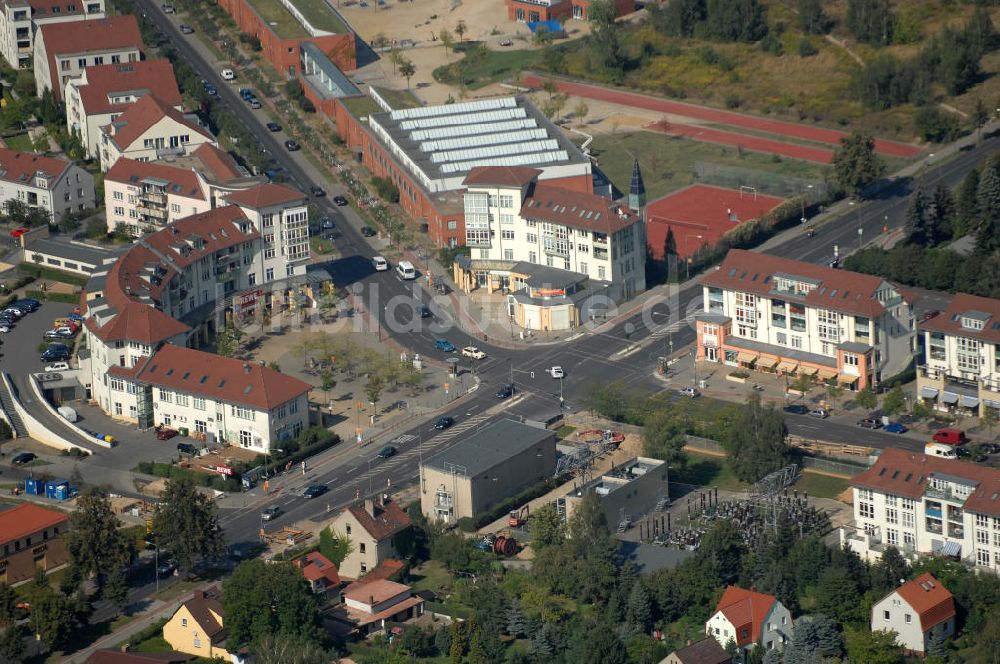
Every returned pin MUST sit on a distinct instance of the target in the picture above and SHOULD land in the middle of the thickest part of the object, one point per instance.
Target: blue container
(63, 492)
(53, 488)
(34, 487)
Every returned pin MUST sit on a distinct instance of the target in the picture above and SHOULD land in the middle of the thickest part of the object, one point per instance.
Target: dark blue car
(445, 345)
(894, 427)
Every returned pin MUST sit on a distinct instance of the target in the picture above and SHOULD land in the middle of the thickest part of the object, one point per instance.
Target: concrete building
(20, 19)
(281, 216)
(481, 471)
(57, 186)
(510, 216)
(532, 11)
(372, 526)
(102, 93)
(197, 627)
(918, 611)
(627, 491)
(778, 315)
(706, 651)
(747, 618)
(150, 129)
(63, 50)
(925, 505)
(959, 371)
(61, 254)
(31, 538)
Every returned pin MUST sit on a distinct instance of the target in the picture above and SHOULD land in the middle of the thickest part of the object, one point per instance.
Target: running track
(755, 143)
(705, 114)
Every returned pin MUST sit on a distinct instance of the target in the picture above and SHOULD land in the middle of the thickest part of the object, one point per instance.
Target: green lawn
(706, 470)
(431, 576)
(565, 431)
(280, 19)
(821, 486)
(20, 142)
(319, 16)
(398, 99)
(496, 66)
(668, 163)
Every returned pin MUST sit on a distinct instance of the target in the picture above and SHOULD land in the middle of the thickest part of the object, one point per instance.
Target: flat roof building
(486, 468)
(626, 491)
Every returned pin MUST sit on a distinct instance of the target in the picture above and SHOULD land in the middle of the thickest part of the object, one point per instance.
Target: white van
(405, 270)
(940, 450)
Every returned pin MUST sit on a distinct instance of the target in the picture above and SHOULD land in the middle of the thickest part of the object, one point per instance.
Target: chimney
(370, 506)
(246, 368)
(124, 647)
(371, 600)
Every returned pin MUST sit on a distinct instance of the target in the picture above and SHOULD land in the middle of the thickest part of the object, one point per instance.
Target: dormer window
(972, 323)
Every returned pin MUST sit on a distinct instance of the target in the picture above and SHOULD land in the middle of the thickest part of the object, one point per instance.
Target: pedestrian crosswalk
(430, 445)
(403, 439)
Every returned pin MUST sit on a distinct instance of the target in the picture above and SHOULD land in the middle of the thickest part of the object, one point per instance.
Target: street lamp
(687, 255)
(861, 232)
(804, 204)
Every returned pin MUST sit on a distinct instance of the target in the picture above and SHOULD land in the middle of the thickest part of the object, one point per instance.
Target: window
(746, 309)
(781, 338)
(506, 235)
(200, 426)
(452, 225)
(252, 279)
(829, 325)
(907, 618)
(246, 438)
(117, 384)
(166, 395)
(197, 642)
(118, 196)
(909, 539)
(198, 403)
(583, 267)
(885, 616)
(532, 238)
(269, 274)
(796, 342)
(866, 510)
(243, 412)
(968, 357)
(892, 536)
(983, 558)
(532, 257)
(908, 520)
(361, 548)
(936, 347)
(601, 272)
(506, 218)
(508, 254)
(506, 201)
(348, 529)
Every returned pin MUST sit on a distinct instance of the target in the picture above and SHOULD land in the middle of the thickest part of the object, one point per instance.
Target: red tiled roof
(42, 9)
(384, 570)
(68, 39)
(503, 176)
(905, 474)
(115, 656)
(388, 519)
(706, 651)
(576, 208)
(27, 519)
(929, 599)
(219, 163)
(146, 77)
(745, 610)
(179, 181)
(20, 167)
(316, 566)
(138, 322)
(362, 618)
(220, 378)
(838, 290)
(374, 592)
(139, 117)
(949, 321)
(265, 195)
(125, 372)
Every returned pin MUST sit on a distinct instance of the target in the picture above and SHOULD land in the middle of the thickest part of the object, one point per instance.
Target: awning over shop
(949, 398)
(747, 358)
(767, 363)
(953, 549)
(928, 392)
(989, 403)
(968, 402)
(827, 374)
(786, 367)
(808, 371)
(846, 380)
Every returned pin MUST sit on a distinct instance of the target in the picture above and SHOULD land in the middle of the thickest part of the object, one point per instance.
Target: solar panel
(514, 160)
(484, 139)
(472, 130)
(494, 151)
(464, 118)
(451, 109)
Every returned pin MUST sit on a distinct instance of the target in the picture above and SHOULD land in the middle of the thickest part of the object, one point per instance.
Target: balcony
(154, 197)
(600, 254)
(934, 526)
(956, 530)
(221, 270)
(156, 212)
(600, 239)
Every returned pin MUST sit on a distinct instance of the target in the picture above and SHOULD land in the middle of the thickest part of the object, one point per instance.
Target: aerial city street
(514, 331)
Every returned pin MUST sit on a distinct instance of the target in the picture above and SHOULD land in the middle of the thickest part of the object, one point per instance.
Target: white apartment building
(959, 370)
(148, 130)
(19, 19)
(747, 617)
(55, 185)
(63, 50)
(918, 611)
(280, 215)
(510, 216)
(100, 94)
(926, 505)
(788, 317)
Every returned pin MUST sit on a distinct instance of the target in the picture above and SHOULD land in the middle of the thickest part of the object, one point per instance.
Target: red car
(18, 232)
(165, 434)
(950, 437)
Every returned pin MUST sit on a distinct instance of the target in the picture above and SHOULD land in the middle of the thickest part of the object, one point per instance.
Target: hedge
(52, 274)
(153, 629)
(529, 494)
(312, 441)
(68, 298)
(210, 480)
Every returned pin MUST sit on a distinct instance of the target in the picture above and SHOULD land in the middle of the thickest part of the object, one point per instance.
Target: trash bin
(183, 431)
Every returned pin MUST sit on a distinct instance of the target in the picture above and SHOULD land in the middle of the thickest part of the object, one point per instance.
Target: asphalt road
(346, 471)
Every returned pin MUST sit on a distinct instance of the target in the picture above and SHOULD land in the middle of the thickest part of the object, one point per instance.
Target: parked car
(444, 422)
(4, 329)
(228, 74)
(254, 103)
(380, 264)
(165, 433)
(291, 145)
(689, 392)
(270, 513)
(57, 366)
(991, 448)
(961, 452)
(13, 311)
(55, 355)
(386, 452)
(950, 437)
(186, 29)
(23, 458)
(273, 126)
(211, 91)
(60, 333)
(425, 311)
(187, 448)
(819, 413)
(317, 192)
(869, 423)
(314, 490)
(557, 372)
(367, 231)
(165, 569)
(168, 9)
(895, 427)
(327, 223)
(246, 94)
(341, 202)
(473, 352)
(505, 392)
(445, 345)
(797, 409)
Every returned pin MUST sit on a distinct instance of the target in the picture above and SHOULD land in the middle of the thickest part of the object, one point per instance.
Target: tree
(980, 116)
(373, 389)
(607, 57)
(227, 342)
(460, 30)
(756, 445)
(187, 524)
(515, 619)
(664, 436)
(98, 547)
(812, 20)
(447, 40)
(855, 163)
(967, 203)
(55, 618)
(292, 608)
(802, 383)
(919, 222)
(723, 547)
(639, 611)
(894, 402)
(407, 69)
(335, 546)
(866, 398)
(596, 644)
(459, 641)
(12, 643)
(285, 649)
(988, 204)
(735, 20)
(547, 527)
(878, 647)
(870, 21)
(580, 110)
(891, 570)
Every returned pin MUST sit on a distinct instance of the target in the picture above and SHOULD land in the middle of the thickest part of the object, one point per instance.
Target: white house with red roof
(747, 617)
(150, 129)
(102, 93)
(281, 216)
(781, 316)
(918, 611)
(319, 571)
(369, 604)
(960, 369)
(57, 186)
(926, 505)
(19, 19)
(63, 50)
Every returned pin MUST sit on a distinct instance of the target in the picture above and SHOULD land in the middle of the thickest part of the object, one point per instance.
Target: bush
(68, 298)
(936, 126)
(446, 255)
(230, 484)
(529, 494)
(806, 48)
(386, 189)
(5, 431)
(52, 274)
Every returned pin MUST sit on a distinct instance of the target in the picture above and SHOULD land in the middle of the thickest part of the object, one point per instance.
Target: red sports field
(701, 210)
(754, 143)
